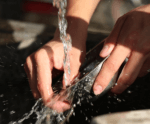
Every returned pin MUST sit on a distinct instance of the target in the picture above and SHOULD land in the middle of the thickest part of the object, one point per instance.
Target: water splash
(73, 94)
(27, 115)
(47, 114)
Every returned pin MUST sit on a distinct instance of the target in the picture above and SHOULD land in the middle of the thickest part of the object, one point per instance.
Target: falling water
(76, 93)
(51, 116)
(64, 37)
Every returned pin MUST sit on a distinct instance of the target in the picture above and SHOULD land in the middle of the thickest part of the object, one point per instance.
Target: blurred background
(25, 25)
(42, 12)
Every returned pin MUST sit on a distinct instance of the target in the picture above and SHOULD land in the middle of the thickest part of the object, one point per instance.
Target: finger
(59, 106)
(44, 68)
(146, 67)
(112, 38)
(110, 67)
(59, 102)
(75, 63)
(31, 73)
(129, 72)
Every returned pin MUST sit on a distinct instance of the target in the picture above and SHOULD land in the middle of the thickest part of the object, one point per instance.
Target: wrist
(81, 8)
(77, 28)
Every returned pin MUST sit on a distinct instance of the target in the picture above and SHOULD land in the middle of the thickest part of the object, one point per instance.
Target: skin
(40, 72)
(129, 34)
(39, 66)
(130, 38)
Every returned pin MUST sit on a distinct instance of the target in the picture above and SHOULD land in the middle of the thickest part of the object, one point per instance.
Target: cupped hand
(39, 67)
(130, 39)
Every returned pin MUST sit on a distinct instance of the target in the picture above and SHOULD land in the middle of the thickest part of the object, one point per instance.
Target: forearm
(79, 13)
(83, 9)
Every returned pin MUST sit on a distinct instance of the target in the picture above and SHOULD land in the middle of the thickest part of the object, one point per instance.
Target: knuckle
(132, 39)
(28, 62)
(145, 49)
(119, 20)
(39, 54)
(133, 36)
(39, 86)
(125, 82)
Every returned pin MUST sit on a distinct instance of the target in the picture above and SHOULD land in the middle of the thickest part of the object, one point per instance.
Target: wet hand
(130, 39)
(40, 65)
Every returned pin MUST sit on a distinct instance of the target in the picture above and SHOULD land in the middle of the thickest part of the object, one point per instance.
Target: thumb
(111, 40)
(107, 48)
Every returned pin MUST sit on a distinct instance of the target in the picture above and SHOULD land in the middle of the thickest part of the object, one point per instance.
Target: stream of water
(46, 115)
(64, 37)
(74, 94)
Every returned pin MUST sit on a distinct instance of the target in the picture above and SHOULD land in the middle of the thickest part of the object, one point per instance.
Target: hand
(130, 38)
(39, 67)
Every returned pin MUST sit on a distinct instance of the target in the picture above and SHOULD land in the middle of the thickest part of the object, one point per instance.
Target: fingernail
(104, 50)
(97, 89)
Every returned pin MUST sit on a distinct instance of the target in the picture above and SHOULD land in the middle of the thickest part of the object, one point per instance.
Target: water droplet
(80, 94)
(78, 101)
(2, 95)
(90, 96)
(86, 79)
(119, 100)
(12, 112)
(74, 105)
(129, 91)
(86, 118)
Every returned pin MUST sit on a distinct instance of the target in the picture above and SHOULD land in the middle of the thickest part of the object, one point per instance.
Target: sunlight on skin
(129, 38)
(52, 53)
